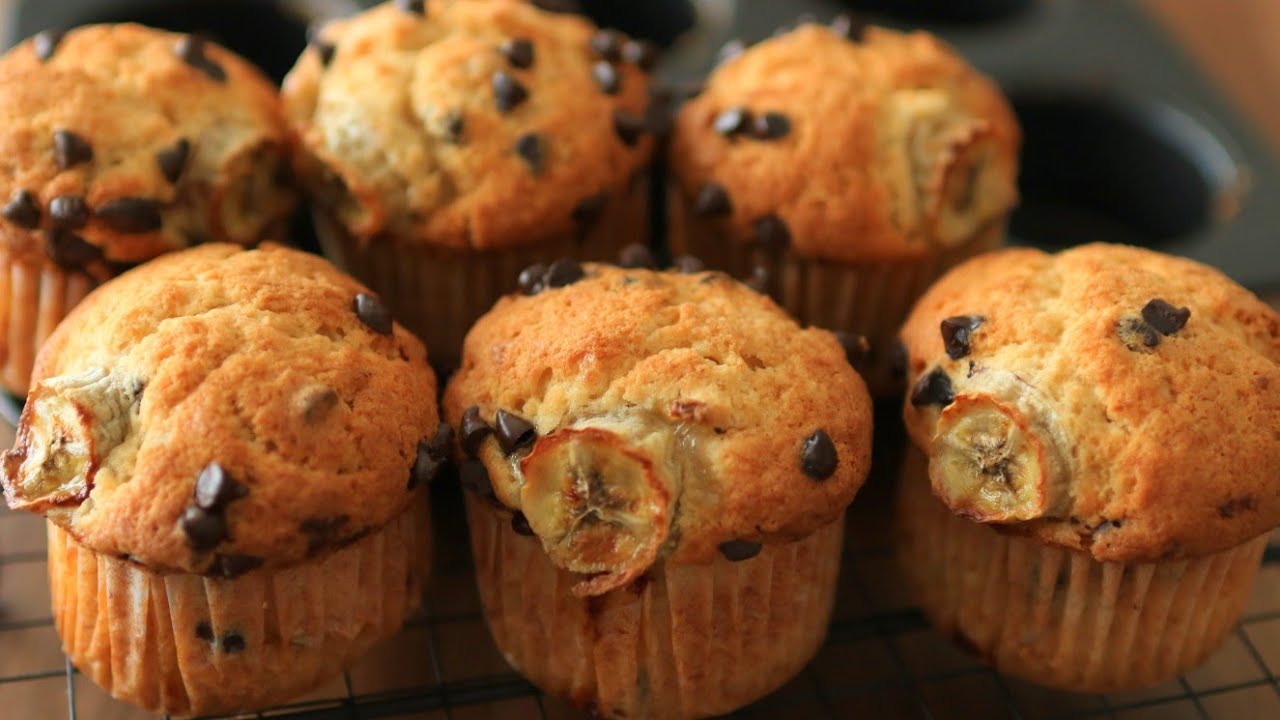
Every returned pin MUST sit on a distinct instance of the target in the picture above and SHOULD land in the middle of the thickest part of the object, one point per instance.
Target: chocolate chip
(518, 52)
(772, 233)
(69, 211)
(898, 359)
(759, 280)
(46, 43)
(629, 126)
(712, 199)
(641, 53)
(607, 44)
(473, 477)
(818, 458)
(22, 210)
(531, 148)
(130, 215)
(850, 27)
(856, 347)
(531, 278)
(689, 264)
(588, 210)
(416, 7)
(739, 550)
(956, 332)
(373, 313)
(564, 271)
(732, 121)
(607, 77)
(69, 149)
(233, 566)
(770, 126)
(204, 631)
(70, 250)
(324, 50)
(215, 488)
(204, 529)
(508, 92)
(430, 456)
(191, 50)
(513, 432)
(520, 524)
(1136, 333)
(933, 389)
(730, 50)
(636, 255)
(472, 431)
(1164, 317)
(454, 125)
(316, 403)
(232, 643)
(173, 160)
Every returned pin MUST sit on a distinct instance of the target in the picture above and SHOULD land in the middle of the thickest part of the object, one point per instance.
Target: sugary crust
(701, 358)
(1169, 451)
(374, 124)
(896, 145)
(255, 360)
(125, 91)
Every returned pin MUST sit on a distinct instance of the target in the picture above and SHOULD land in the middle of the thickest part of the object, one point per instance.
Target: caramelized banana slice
(70, 424)
(995, 459)
(600, 503)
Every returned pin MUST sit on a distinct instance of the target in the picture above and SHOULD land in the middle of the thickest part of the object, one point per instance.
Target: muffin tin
(1124, 141)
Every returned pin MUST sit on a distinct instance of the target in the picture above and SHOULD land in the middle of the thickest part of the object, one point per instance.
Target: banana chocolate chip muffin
(842, 169)
(226, 443)
(1102, 432)
(122, 143)
(450, 144)
(660, 463)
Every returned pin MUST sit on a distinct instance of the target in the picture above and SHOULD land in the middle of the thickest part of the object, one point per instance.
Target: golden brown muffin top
(471, 124)
(1107, 399)
(643, 415)
(221, 408)
(124, 142)
(887, 146)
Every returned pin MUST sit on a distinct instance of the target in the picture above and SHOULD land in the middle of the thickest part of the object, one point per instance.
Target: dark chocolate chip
(508, 92)
(818, 457)
(472, 431)
(933, 388)
(898, 358)
(640, 53)
(629, 126)
(233, 566)
(46, 43)
(531, 278)
(22, 210)
(324, 50)
(636, 255)
(69, 211)
(607, 77)
(956, 332)
(317, 402)
(204, 529)
(730, 50)
(607, 44)
(70, 149)
(770, 126)
(373, 313)
(689, 264)
(564, 271)
(739, 550)
(454, 126)
(772, 233)
(1164, 317)
(588, 210)
(712, 199)
(850, 27)
(204, 631)
(430, 456)
(131, 215)
(173, 160)
(531, 148)
(232, 643)
(473, 477)
(856, 347)
(518, 52)
(1134, 331)
(520, 524)
(70, 250)
(191, 50)
(732, 121)
(441, 442)
(513, 432)
(215, 488)
(759, 280)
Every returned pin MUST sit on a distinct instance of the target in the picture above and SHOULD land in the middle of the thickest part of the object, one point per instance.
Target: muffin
(1099, 428)
(660, 465)
(226, 443)
(123, 143)
(842, 170)
(447, 145)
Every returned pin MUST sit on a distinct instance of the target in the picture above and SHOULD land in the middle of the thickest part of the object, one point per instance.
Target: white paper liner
(34, 298)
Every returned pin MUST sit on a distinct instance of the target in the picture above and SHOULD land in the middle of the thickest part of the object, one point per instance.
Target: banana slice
(600, 501)
(70, 425)
(995, 459)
